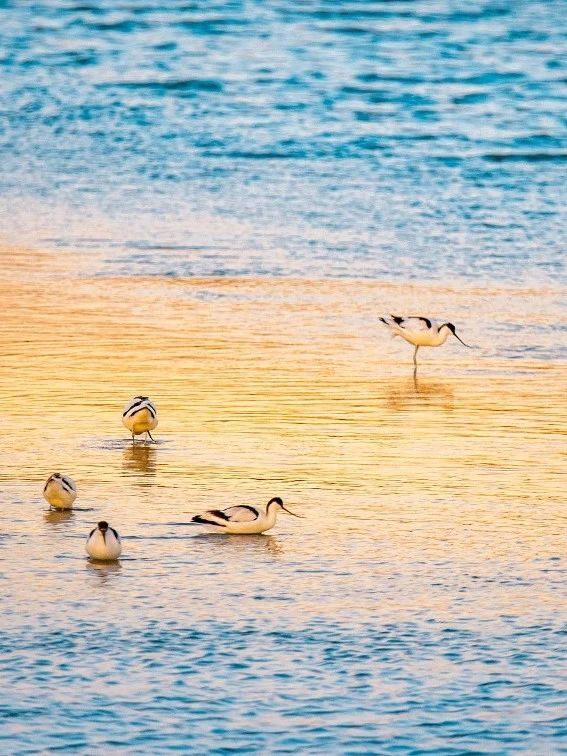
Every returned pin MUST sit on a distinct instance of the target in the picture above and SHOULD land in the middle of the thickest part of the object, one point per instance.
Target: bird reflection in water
(257, 542)
(58, 516)
(139, 458)
(103, 570)
(420, 393)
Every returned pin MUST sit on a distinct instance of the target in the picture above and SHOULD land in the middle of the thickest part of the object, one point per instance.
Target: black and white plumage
(420, 331)
(140, 416)
(60, 491)
(103, 543)
(242, 519)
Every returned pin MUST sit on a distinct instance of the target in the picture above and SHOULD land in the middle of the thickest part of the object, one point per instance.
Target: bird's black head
(103, 526)
(451, 327)
(279, 502)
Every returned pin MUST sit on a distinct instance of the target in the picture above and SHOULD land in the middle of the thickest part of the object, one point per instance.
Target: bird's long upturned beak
(291, 513)
(462, 342)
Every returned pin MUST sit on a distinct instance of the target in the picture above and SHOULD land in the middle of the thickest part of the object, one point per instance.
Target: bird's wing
(213, 517)
(137, 404)
(410, 323)
(67, 484)
(241, 513)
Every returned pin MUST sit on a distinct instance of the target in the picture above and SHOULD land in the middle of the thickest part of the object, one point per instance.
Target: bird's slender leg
(415, 377)
(415, 356)
(133, 439)
(150, 435)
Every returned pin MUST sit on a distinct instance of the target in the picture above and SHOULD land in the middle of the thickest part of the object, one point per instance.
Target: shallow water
(419, 607)
(390, 140)
(221, 198)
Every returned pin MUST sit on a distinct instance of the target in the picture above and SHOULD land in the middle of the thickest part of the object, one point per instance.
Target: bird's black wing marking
(425, 320)
(218, 513)
(92, 531)
(134, 410)
(134, 404)
(204, 521)
(115, 534)
(140, 402)
(67, 485)
(402, 321)
(244, 506)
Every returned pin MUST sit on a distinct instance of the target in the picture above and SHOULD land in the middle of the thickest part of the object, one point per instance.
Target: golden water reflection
(417, 392)
(139, 458)
(56, 517)
(290, 388)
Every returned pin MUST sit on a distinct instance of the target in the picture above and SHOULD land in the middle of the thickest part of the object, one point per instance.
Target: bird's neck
(443, 334)
(271, 514)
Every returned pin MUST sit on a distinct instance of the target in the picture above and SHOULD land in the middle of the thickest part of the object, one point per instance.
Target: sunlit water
(229, 194)
(419, 606)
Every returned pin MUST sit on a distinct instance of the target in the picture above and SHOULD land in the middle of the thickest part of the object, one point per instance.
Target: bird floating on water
(60, 491)
(140, 416)
(420, 331)
(242, 519)
(103, 543)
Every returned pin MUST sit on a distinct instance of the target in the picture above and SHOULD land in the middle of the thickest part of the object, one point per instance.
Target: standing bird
(103, 543)
(243, 518)
(140, 416)
(420, 332)
(60, 491)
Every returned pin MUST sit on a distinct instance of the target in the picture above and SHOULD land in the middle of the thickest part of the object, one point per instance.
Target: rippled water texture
(419, 607)
(222, 197)
(394, 140)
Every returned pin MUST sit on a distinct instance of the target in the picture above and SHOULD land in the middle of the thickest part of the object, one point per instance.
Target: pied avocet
(242, 518)
(103, 543)
(140, 416)
(60, 491)
(420, 331)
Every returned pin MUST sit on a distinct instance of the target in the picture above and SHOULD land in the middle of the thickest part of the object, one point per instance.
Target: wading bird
(420, 332)
(103, 543)
(60, 491)
(140, 416)
(242, 519)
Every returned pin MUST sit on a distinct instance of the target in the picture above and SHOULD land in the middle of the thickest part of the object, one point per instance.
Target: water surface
(418, 607)
(392, 140)
(217, 200)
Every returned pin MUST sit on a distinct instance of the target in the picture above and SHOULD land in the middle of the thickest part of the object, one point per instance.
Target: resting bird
(140, 416)
(60, 491)
(420, 331)
(243, 518)
(103, 543)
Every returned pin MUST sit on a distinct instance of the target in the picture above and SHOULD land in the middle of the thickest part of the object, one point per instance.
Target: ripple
(306, 132)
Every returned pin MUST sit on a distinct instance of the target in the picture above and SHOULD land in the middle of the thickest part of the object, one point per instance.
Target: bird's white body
(140, 416)
(60, 491)
(103, 544)
(242, 519)
(420, 331)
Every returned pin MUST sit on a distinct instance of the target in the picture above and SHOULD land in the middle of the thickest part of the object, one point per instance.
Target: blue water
(412, 140)
(408, 613)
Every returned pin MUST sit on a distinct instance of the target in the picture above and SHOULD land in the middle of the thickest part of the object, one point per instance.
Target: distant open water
(420, 606)
(400, 140)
